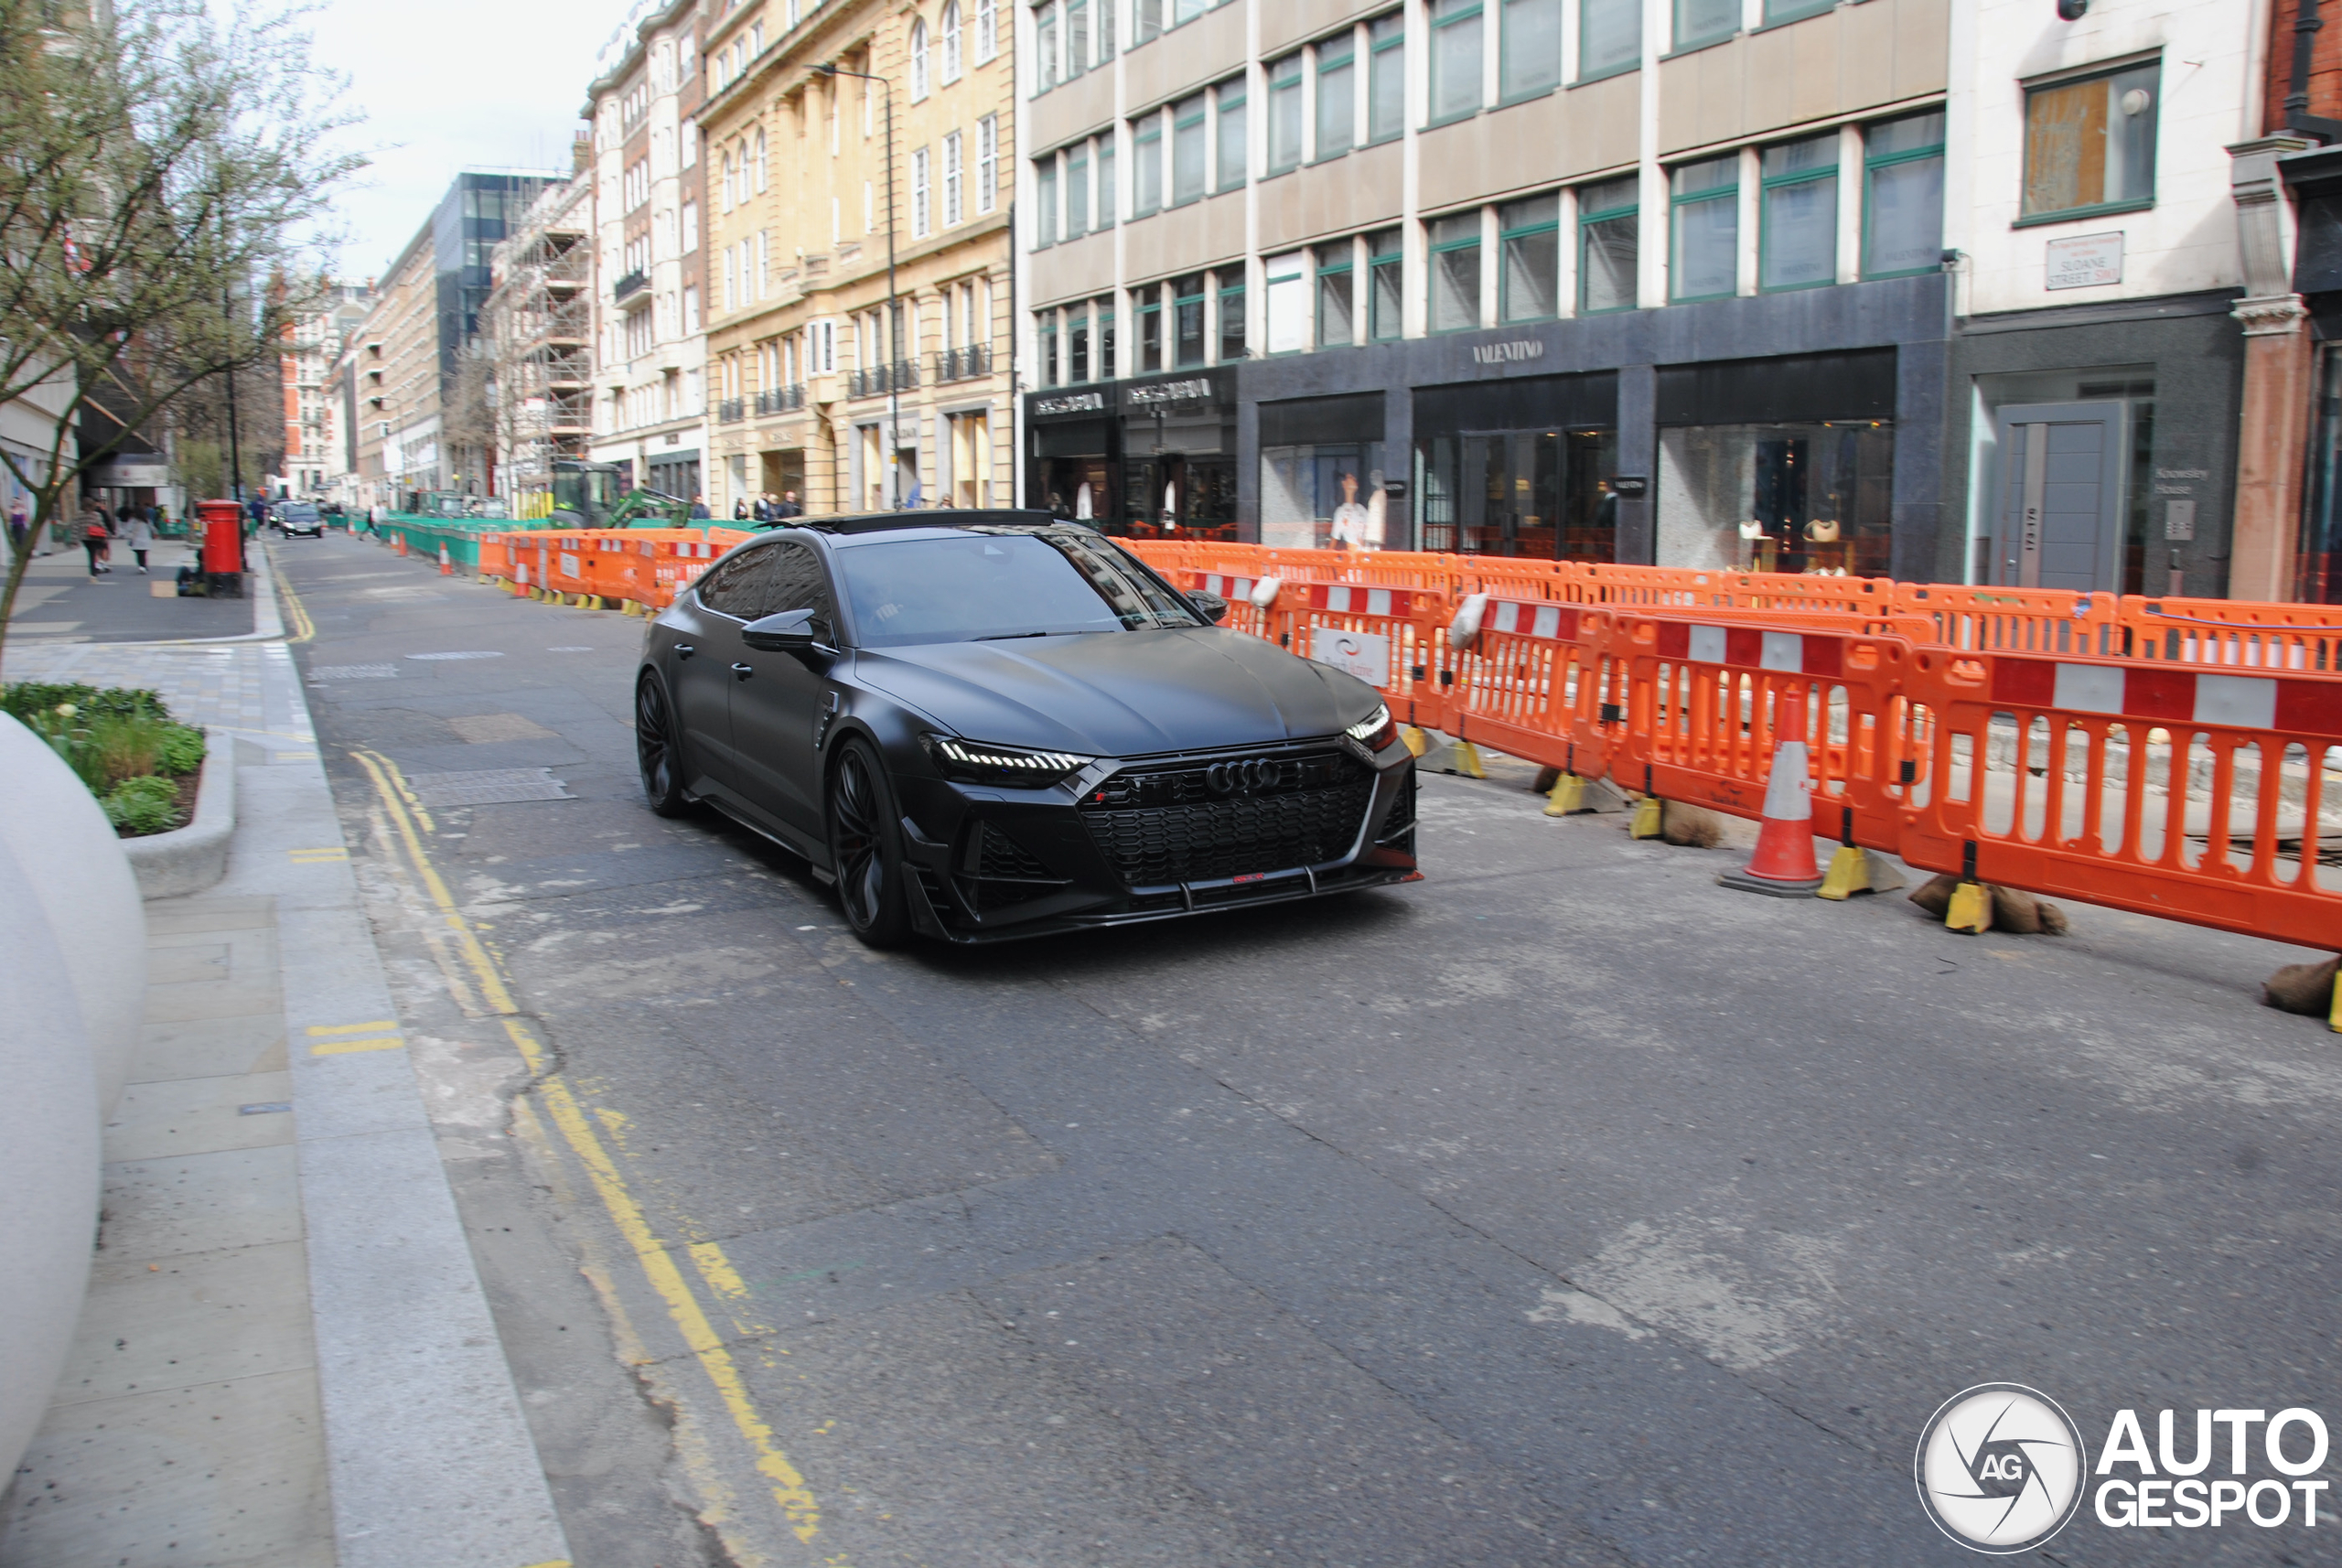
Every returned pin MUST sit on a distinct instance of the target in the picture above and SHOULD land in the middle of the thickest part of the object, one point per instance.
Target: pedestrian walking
(739, 508)
(92, 525)
(139, 534)
(699, 509)
(18, 525)
(786, 507)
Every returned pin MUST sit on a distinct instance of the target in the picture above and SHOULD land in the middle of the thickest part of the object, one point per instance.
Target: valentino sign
(1508, 353)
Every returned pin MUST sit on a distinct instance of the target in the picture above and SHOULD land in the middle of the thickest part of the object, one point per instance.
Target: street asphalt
(1563, 1208)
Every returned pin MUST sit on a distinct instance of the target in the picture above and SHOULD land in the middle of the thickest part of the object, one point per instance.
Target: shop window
(1903, 206)
(1188, 302)
(2321, 532)
(1608, 249)
(1337, 96)
(1288, 291)
(1077, 191)
(1455, 273)
(1230, 96)
(1799, 232)
(1706, 197)
(1609, 38)
(1807, 497)
(1187, 151)
(1702, 22)
(1150, 335)
(1539, 493)
(1529, 59)
(1146, 165)
(1455, 59)
(2090, 145)
(1336, 314)
(1232, 314)
(1284, 115)
(1530, 234)
(1386, 307)
(1077, 338)
(1044, 173)
(1324, 496)
(1386, 78)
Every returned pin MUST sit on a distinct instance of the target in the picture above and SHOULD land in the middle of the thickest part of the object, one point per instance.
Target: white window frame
(987, 33)
(919, 60)
(955, 209)
(950, 27)
(922, 224)
(987, 163)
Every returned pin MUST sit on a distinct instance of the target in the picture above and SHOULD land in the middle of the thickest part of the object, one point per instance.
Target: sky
(446, 85)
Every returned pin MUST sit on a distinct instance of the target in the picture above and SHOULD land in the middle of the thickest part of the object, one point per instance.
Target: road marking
(304, 629)
(352, 1028)
(349, 1047)
(316, 856)
(790, 1491)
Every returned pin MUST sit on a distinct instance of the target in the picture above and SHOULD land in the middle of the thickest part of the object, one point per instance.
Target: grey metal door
(2057, 513)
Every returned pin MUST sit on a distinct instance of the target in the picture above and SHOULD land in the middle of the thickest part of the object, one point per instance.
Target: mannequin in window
(1355, 528)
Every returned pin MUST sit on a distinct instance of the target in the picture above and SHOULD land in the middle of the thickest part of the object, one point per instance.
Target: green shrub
(22, 698)
(147, 804)
(182, 748)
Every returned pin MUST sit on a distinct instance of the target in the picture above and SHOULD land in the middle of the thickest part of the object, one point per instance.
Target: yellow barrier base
(2334, 1014)
(1413, 736)
(1972, 909)
(1650, 818)
(1568, 797)
(1464, 757)
(1849, 874)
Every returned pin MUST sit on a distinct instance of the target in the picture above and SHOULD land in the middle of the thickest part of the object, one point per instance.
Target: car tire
(656, 752)
(865, 848)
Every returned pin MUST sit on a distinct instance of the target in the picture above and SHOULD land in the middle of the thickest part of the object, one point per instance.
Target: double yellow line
(790, 1491)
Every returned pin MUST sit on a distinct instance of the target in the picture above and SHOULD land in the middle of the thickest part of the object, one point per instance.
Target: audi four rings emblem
(1244, 778)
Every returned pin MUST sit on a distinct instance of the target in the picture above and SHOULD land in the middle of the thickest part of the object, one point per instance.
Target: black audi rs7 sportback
(988, 725)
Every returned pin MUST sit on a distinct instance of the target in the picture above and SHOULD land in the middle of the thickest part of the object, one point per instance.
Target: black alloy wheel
(655, 750)
(865, 850)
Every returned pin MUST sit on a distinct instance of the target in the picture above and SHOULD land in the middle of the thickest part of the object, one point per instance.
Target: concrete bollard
(78, 869)
(48, 1159)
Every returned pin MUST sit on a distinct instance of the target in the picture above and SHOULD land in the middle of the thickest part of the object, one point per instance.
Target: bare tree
(156, 162)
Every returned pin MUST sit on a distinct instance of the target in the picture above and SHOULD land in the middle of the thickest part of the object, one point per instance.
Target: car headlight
(975, 762)
(1376, 730)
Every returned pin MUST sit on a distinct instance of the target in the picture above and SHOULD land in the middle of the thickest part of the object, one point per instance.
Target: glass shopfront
(1322, 480)
(1779, 464)
(1519, 468)
(1178, 447)
(1075, 472)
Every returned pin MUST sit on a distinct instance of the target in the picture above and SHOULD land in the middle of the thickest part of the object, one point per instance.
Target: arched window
(727, 182)
(760, 158)
(919, 61)
(950, 27)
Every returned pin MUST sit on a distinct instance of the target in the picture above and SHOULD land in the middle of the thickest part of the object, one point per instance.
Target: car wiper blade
(1006, 636)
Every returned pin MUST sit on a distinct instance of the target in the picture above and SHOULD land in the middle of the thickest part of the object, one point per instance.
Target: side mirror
(791, 631)
(1212, 605)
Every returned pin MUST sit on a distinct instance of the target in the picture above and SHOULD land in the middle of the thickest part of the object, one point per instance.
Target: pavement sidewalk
(286, 1357)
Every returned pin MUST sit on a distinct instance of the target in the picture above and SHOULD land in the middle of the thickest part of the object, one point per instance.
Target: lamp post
(894, 309)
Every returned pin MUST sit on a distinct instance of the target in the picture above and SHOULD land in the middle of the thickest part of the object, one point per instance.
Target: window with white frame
(919, 61)
(1284, 113)
(1045, 48)
(1455, 62)
(1609, 38)
(1077, 38)
(987, 38)
(689, 227)
(949, 27)
(1146, 165)
(759, 161)
(1187, 168)
(1229, 97)
(1109, 204)
(1337, 96)
(954, 181)
(1045, 199)
(923, 219)
(1077, 190)
(987, 162)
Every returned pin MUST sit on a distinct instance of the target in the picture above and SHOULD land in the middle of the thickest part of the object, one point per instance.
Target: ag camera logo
(2001, 1468)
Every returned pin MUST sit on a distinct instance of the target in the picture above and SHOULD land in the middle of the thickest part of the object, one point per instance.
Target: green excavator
(586, 495)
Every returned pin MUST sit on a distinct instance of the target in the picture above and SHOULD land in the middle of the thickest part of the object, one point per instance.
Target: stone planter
(191, 859)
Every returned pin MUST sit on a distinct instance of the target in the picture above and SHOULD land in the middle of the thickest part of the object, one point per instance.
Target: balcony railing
(730, 411)
(781, 400)
(963, 364)
(634, 283)
(901, 376)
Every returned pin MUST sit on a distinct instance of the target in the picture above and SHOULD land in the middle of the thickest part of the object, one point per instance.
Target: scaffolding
(539, 324)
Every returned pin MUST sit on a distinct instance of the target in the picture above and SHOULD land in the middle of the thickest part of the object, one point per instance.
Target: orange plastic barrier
(1392, 638)
(1538, 681)
(1705, 690)
(2193, 794)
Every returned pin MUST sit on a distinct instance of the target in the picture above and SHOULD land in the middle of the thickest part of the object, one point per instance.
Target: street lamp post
(894, 308)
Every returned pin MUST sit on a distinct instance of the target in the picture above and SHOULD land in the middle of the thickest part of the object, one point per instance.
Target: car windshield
(300, 510)
(981, 584)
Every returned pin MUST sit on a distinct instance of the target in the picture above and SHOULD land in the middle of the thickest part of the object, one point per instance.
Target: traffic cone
(1783, 865)
(446, 567)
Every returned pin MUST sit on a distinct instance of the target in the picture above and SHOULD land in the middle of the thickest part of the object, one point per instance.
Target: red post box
(223, 537)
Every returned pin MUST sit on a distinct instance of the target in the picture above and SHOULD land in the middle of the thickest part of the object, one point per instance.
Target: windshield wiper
(1006, 636)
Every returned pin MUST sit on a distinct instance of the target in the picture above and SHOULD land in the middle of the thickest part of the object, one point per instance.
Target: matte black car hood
(1121, 693)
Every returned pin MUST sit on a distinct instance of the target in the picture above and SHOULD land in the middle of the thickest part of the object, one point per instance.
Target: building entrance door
(2058, 517)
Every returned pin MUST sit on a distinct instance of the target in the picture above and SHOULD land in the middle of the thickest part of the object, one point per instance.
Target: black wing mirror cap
(1210, 606)
(788, 632)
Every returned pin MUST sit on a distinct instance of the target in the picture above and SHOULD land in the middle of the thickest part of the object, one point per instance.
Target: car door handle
(684, 651)
(742, 671)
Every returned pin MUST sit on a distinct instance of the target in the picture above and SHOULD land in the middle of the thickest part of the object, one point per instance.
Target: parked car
(299, 517)
(989, 724)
